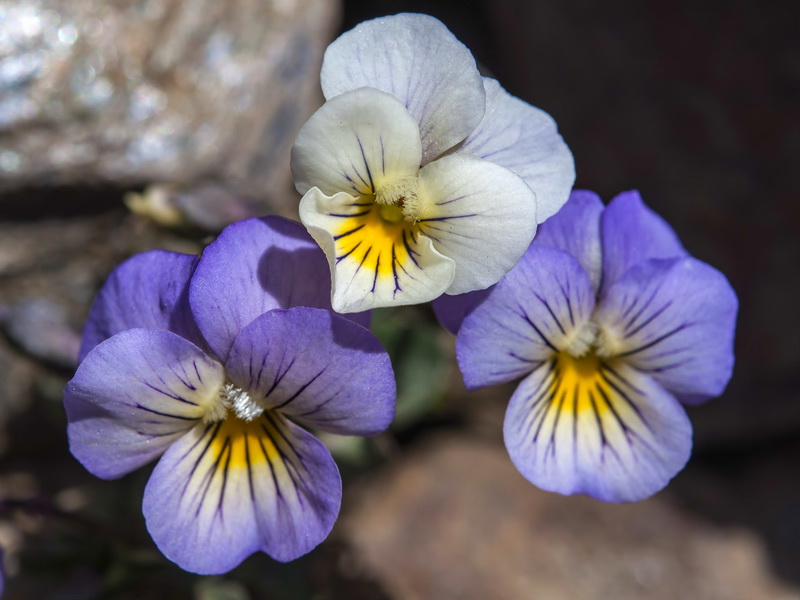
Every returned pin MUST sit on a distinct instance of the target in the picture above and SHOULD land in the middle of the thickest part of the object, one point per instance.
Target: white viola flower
(420, 177)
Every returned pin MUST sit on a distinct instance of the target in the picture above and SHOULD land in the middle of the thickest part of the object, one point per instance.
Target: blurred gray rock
(42, 329)
(175, 91)
(51, 269)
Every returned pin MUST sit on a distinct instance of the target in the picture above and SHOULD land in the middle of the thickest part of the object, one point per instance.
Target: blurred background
(138, 124)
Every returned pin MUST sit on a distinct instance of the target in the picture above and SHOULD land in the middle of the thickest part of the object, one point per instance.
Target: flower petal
(525, 139)
(317, 367)
(576, 230)
(452, 310)
(631, 233)
(602, 429)
(477, 213)
(255, 266)
(675, 320)
(373, 262)
(135, 394)
(417, 60)
(355, 142)
(538, 309)
(148, 290)
(231, 488)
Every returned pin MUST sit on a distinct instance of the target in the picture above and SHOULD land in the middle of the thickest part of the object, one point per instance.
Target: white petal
(477, 213)
(523, 138)
(373, 263)
(416, 59)
(353, 142)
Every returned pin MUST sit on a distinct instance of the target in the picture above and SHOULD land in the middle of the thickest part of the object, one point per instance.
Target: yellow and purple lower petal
(376, 258)
(598, 428)
(232, 488)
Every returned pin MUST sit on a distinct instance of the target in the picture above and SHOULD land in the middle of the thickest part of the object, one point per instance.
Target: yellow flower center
(377, 237)
(577, 382)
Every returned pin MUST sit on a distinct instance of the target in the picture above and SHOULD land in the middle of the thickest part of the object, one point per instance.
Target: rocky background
(138, 124)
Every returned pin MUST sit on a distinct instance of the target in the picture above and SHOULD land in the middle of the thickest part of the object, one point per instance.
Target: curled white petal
(376, 258)
(354, 142)
(416, 59)
(525, 139)
(477, 213)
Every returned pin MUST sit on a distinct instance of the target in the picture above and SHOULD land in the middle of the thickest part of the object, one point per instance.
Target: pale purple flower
(420, 177)
(212, 365)
(613, 327)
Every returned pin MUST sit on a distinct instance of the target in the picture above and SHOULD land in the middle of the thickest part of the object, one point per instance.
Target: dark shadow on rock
(757, 487)
(38, 203)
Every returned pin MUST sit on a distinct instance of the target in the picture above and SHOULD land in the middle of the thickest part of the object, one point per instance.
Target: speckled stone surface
(144, 91)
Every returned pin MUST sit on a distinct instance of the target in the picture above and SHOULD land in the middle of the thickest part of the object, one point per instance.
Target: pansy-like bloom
(420, 177)
(212, 365)
(613, 327)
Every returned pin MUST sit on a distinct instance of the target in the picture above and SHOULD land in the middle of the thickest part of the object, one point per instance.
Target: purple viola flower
(613, 327)
(213, 365)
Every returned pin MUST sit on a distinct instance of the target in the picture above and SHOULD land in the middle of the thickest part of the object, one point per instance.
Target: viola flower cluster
(421, 180)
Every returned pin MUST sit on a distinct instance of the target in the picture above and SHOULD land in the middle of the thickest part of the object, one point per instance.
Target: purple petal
(524, 139)
(231, 488)
(541, 306)
(321, 369)
(148, 291)
(252, 267)
(674, 320)
(602, 429)
(417, 60)
(135, 394)
(576, 230)
(452, 310)
(632, 233)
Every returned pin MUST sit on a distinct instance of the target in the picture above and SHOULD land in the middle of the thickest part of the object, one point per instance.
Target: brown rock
(454, 520)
